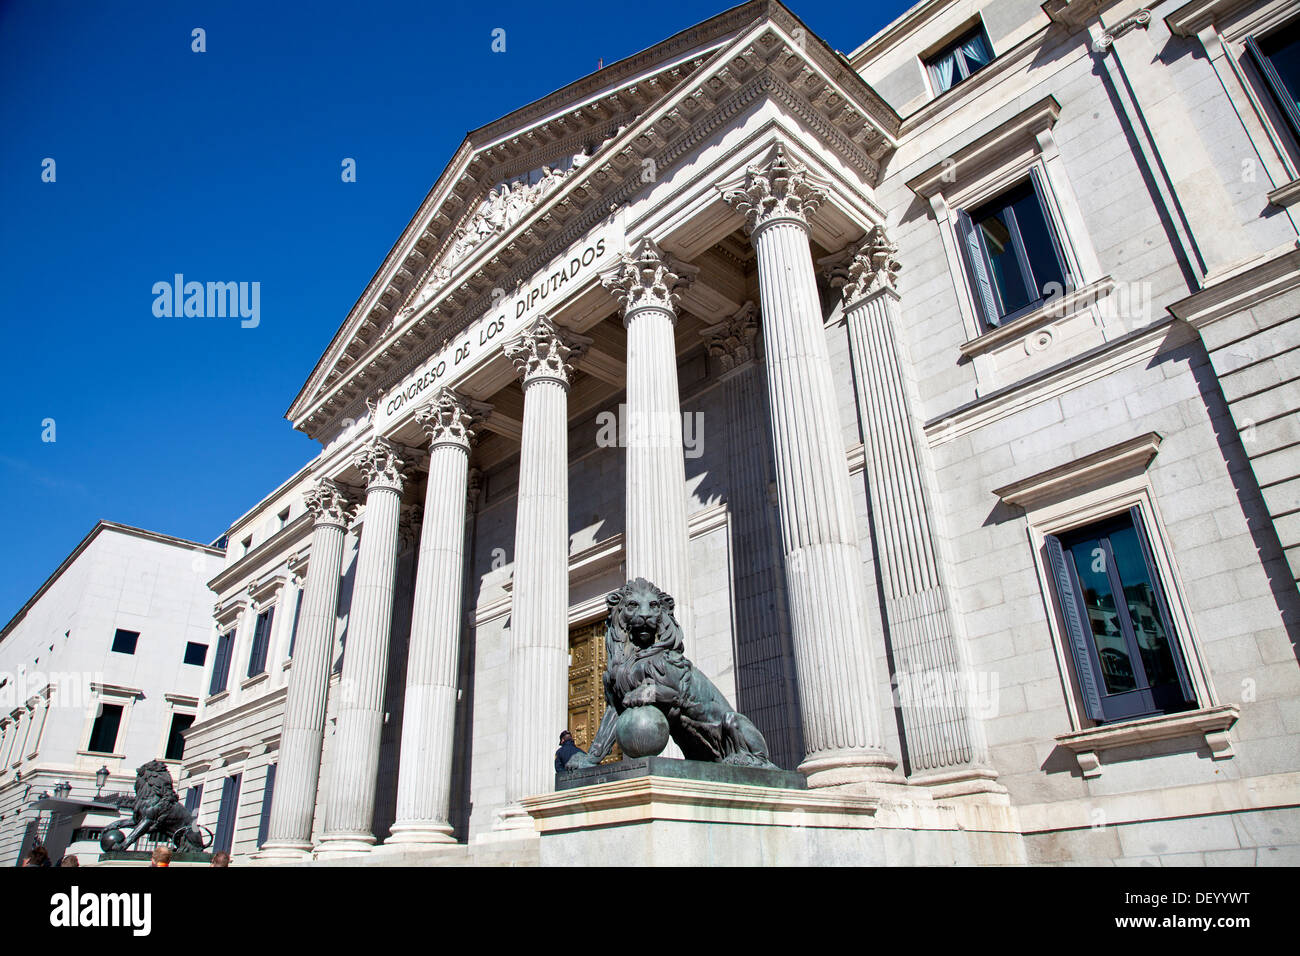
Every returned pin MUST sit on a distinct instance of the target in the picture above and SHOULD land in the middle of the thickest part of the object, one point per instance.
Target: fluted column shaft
(829, 625)
(303, 731)
(941, 734)
(350, 812)
(649, 284)
(539, 619)
(429, 712)
(657, 540)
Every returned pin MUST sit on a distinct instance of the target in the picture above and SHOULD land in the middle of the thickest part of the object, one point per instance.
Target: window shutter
(1076, 626)
(1040, 190)
(1284, 98)
(977, 263)
(221, 663)
(193, 797)
(225, 834)
(1153, 571)
(268, 794)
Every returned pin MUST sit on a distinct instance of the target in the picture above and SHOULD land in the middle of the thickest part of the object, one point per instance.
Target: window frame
(185, 657)
(117, 732)
(221, 662)
(953, 47)
(117, 635)
(171, 733)
(980, 274)
(1282, 98)
(260, 646)
(1143, 701)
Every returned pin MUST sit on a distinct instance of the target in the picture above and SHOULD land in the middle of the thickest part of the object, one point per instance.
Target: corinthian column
(649, 284)
(429, 713)
(539, 618)
(298, 772)
(354, 760)
(944, 742)
(831, 634)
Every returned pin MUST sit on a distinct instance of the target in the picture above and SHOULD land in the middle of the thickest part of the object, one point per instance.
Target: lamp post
(101, 778)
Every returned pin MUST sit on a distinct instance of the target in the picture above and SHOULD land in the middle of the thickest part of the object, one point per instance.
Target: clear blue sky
(225, 166)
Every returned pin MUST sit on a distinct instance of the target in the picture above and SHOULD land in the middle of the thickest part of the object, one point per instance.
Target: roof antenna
(600, 64)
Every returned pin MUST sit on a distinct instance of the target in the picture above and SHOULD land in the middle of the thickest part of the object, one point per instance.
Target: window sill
(1287, 195)
(218, 697)
(253, 681)
(1062, 307)
(96, 753)
(1211, 723)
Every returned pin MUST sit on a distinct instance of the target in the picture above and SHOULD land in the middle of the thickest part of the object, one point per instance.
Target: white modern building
(99, 673)
(950, 386)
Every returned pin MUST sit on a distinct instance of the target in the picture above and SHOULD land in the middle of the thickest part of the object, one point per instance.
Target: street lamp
(101, 778)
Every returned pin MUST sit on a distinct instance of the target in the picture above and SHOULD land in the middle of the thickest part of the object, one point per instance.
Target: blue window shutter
(268, 794)
(1153, 571)
(193, 798)
(225, 834)
(977, 263)
(1076, 626)
(221, 663)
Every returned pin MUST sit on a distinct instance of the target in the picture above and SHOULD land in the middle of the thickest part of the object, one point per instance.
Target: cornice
(805, 77)
(1277, 275)
(1191, 18)
(1126, 457)
(1022, 127)
(295, 531)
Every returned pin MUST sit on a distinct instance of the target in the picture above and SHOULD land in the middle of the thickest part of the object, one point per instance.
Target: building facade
(896, 370)
(99, 673)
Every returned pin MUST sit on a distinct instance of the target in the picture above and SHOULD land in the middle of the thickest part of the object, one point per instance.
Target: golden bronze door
(586, 691)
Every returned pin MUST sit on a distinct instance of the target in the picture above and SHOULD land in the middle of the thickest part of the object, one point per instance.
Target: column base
(343, 845)
(832, 768)
(284, 851)
(976, 784)
(513, 822)
(408, 834)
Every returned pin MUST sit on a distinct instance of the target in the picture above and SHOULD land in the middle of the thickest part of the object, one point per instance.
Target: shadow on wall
(1258, 521)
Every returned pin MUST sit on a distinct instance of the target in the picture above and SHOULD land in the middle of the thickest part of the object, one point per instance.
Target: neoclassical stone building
(949, 386)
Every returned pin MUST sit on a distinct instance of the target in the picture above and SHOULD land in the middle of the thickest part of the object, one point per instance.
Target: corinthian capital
(328, 503)
(648, 278)
(543, 351)
(450, 419)
(781, 189)
(731, 341)
(873, 267)
(380, 461)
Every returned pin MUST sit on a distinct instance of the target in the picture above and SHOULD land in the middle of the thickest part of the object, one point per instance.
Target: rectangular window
(225, 832)
(193, 798)
(282, 518)
(221, 665)
(1278, 58)
(264, 823)
(124, 641)
(196, 653)
(103, 734)
(176, 742)
(261, 642)
(1012, 253)
(1121, 633)
(958, 60)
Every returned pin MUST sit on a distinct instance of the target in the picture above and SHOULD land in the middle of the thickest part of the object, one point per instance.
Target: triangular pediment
(532, 181)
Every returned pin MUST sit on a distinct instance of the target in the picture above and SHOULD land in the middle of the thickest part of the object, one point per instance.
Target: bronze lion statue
(157, 812)
(645, 667)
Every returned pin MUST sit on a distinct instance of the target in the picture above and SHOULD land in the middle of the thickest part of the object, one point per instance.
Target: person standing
(566, 751)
